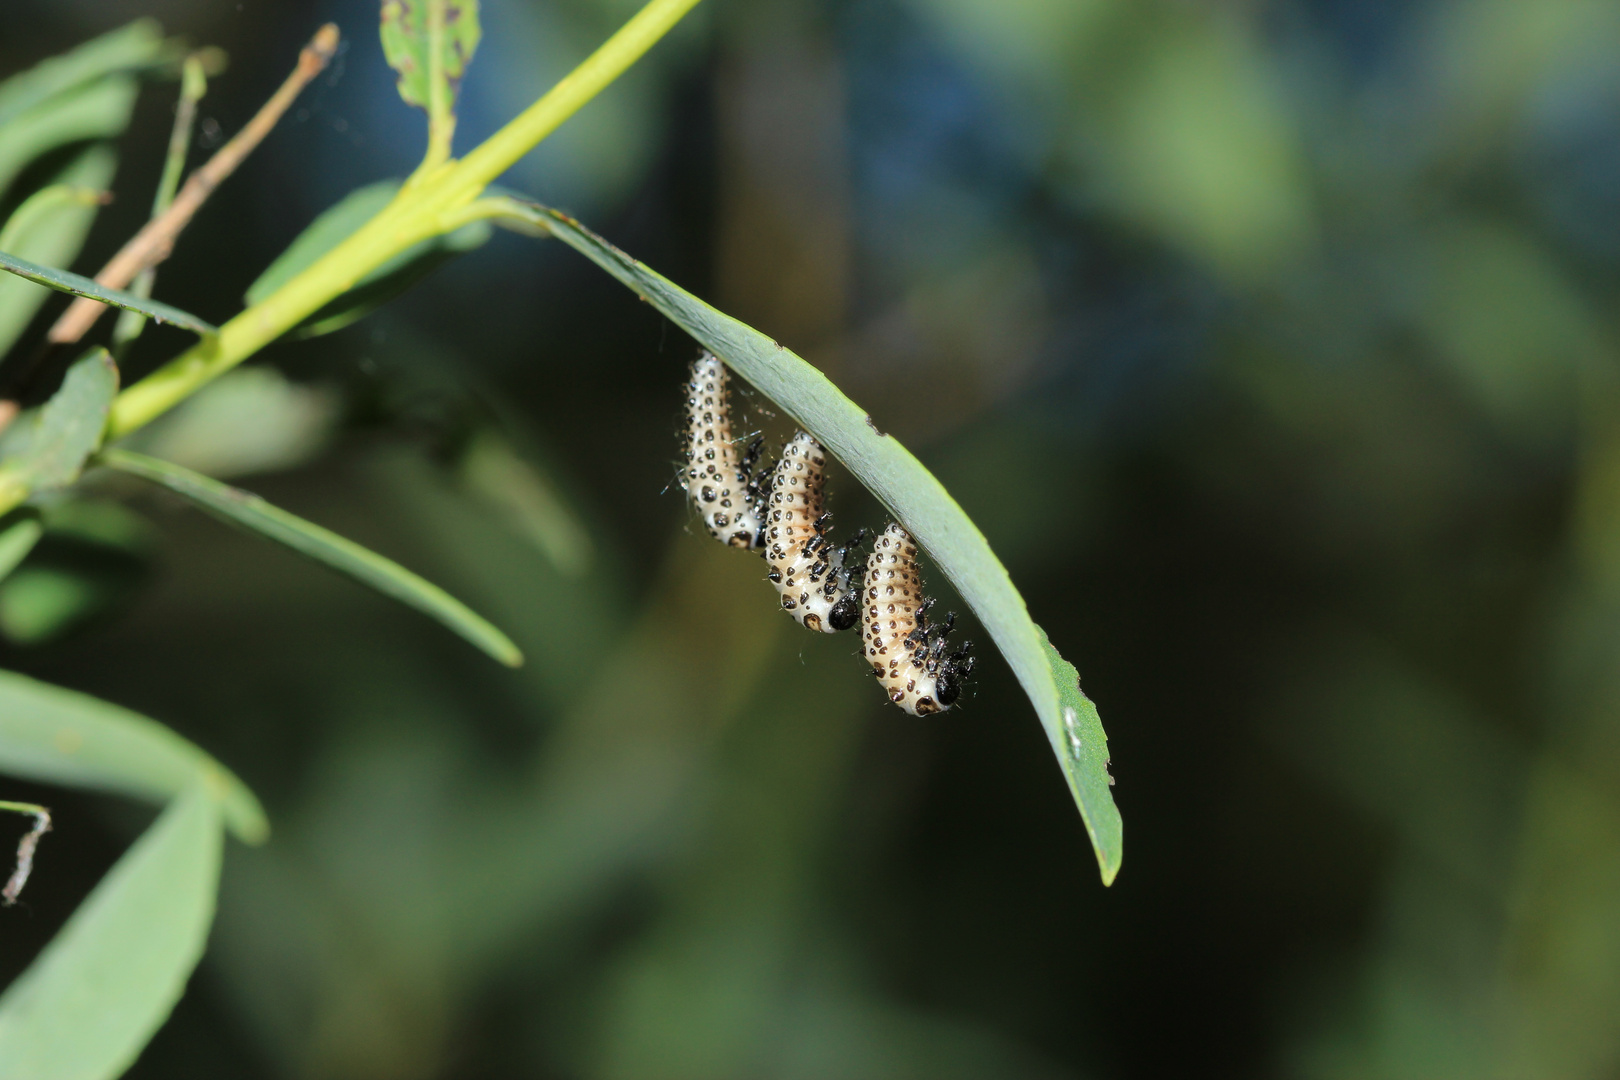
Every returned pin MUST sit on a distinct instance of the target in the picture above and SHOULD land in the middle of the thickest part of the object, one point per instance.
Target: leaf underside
(916, 499)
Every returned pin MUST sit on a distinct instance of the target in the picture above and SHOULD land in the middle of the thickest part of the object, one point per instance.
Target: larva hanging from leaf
(805, 568)
(904, 649)
(719, 482)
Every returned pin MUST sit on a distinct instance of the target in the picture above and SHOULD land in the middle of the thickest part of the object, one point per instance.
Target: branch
(193, 85)
(154, 243)
(25, 848)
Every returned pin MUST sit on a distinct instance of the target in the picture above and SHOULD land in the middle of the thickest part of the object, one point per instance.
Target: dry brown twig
(155, 242)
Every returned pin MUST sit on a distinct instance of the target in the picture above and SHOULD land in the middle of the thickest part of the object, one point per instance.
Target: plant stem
(426, 207)
(193, 85)
(153, 243)
(25, 847)
(503, 149)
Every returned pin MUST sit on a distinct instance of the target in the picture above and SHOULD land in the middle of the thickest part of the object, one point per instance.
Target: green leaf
(41, 604)
(18, 538)
(49, 228)
(79, 285)
(104, 985)
(47, 447)
(910, 492)
(130, 48)
(430, 43)
(1084, 756)
(345, 556)
(331, 228)
(99, 110)
(63, 737)
(491, 468)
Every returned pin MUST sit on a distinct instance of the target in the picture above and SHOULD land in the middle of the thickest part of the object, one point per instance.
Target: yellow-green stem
(428, 206)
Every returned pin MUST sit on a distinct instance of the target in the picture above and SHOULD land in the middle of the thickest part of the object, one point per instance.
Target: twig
(25, 848)
(153, 243)
(193, 85)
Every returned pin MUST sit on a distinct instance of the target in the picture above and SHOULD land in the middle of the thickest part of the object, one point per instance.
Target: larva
(805, 568)
(904, 649)
(720, 484)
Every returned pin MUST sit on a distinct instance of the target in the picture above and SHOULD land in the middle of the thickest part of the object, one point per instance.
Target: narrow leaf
(430, 43)
(109, 979)
(49, 228)
(98, 110)
(63, 737)
(47, 447)
(18, 538)
(79, 285)
(910, 492)
(129, 48)
(345, 556)
(332, 227)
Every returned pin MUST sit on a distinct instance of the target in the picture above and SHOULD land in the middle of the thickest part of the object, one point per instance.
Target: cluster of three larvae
(786, 521)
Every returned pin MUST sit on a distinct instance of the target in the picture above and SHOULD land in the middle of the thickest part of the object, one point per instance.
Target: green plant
(95, 996)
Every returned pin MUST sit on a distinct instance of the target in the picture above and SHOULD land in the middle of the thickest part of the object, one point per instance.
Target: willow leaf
(79, 285)
(49, 228)
(109, 979)
(60, 736)
(918, 500)
(430, 43)
(132, 47)
(308, 539)
(47, 447)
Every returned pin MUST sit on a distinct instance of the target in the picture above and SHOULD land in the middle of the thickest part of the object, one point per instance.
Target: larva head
(953, 671)
(844, 613)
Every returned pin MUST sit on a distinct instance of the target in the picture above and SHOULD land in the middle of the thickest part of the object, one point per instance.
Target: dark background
(1271, 344)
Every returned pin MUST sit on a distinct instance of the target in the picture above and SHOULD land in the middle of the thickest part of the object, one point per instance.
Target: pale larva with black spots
(807, 570)
(718, 479)
(907, 652)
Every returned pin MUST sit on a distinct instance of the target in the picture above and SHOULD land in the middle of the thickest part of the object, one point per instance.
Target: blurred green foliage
(1271, 345)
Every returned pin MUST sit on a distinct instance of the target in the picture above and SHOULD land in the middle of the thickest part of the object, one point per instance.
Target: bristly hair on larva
(906, 651)
(719, 481)
(809, 572)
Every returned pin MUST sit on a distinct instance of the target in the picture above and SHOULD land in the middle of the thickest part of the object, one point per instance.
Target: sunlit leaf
(79, 285)
(345, 556)
(46, 448)
(109, 979)
(60, 736)
(912, 494)
(48, 228)
(430, 43)
(332, 227)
